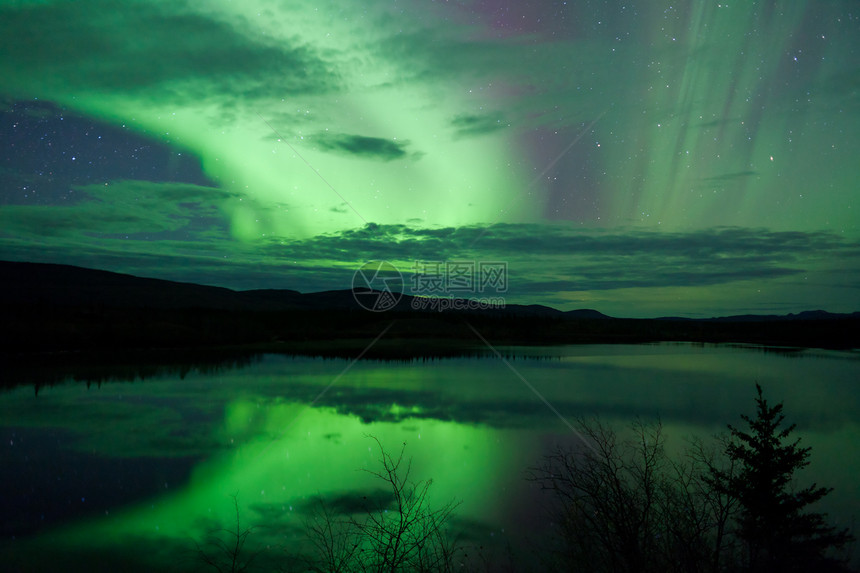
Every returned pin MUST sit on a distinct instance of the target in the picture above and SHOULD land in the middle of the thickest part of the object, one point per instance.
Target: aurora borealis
(640, 158)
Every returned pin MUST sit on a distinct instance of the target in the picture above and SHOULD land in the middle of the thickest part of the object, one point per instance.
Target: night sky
(642, 158)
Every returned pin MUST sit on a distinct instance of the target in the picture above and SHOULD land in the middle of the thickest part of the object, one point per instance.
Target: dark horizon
(6, 271)
(57, 308)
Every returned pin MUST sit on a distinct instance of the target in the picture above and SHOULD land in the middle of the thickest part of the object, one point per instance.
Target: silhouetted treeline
(96, 368)
(37, 328)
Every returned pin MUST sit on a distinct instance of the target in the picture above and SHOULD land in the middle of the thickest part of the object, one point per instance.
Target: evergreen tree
(774, 523)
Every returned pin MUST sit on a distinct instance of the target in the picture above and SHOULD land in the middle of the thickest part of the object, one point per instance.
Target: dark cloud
(120, 208)
(140, 47)
(469, 124)
(345, 503)
(594, 261)
(402, 241)
(362, 146)
(643, 275)
(716, 242)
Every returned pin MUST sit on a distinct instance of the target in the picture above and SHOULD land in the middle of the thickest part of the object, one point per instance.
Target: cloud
(119, 208)
(596, 261)
(362, 146)
(542, 259)
(643, 275)
(471, 124)
(345, 503)
(545, 262)
(758, 245)
(143, 48)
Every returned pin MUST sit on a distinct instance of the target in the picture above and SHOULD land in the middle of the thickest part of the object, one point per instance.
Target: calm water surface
(100, 474)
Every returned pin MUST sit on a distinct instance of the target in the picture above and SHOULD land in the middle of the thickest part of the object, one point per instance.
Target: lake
(97, 474)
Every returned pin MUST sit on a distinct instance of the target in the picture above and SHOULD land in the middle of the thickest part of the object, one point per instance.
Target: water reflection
(95, 369)
(120, 467)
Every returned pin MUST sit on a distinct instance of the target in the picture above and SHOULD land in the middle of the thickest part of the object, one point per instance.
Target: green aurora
(640, 158)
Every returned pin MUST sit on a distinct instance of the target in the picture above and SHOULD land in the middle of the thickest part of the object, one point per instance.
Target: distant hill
(802, 316)
(49, 307)
(805, 315)
(66, 285)
(585, 313)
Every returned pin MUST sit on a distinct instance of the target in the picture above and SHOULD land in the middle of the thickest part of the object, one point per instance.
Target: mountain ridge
(70, 285)
(61, 308)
